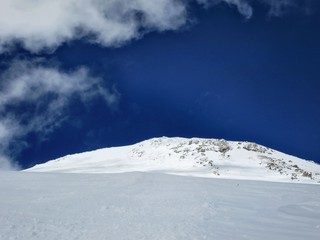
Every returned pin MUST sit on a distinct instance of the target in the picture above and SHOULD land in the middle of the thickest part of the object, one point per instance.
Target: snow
(164, 188)
(140, 205)
(199, 157)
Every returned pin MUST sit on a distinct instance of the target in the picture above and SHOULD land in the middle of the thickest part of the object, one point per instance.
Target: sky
(81, 75)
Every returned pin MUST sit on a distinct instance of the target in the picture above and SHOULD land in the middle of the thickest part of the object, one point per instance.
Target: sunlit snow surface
(191, 157)
(148, 206)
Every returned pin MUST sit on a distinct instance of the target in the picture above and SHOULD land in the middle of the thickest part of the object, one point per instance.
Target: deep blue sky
(222, 77)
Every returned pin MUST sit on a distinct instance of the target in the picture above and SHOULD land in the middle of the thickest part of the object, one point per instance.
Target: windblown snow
(191, 157)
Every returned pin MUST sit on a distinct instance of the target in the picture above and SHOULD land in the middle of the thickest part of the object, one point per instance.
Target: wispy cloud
(33, 98)
(242, 6)
(46, 24)
(276, 7)
(39, 25)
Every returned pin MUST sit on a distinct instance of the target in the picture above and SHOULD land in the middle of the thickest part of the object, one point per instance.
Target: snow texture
(154, 206)
(191, 157)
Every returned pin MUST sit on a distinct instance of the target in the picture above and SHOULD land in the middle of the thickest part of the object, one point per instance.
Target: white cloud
(45, 24)
(45, 91)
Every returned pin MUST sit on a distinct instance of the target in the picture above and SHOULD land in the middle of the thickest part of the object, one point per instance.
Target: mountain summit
(213, 158)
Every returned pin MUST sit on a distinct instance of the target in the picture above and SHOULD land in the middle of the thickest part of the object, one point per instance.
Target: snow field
(154, 206)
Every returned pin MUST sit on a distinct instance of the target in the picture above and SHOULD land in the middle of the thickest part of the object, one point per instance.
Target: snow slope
(37, 206)
(194, 157)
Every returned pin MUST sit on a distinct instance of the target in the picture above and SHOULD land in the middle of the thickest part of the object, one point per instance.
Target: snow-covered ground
(192, 157)
(67, 206)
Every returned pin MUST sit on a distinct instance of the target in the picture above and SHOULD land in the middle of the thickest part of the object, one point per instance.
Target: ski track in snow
(148, 206)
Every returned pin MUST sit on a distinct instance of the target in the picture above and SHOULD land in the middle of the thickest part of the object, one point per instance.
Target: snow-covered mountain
(140, 202)
(194, 157)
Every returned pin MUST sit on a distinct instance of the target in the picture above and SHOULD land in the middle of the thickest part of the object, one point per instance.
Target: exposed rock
(255, 148)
